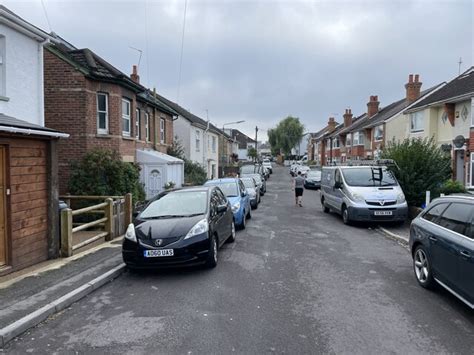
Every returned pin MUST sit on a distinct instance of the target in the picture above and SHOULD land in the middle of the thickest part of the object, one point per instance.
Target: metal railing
(108, 224)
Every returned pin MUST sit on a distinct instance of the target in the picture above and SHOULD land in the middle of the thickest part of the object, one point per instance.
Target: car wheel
(231, 238)
(325, 209)
(244, 223)
(212, 257)
(345, 216)
(249, 214)
(422, 267)
(256, 206)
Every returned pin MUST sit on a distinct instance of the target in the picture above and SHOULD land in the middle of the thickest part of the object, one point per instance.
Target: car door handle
(433, 239)
(466, 254)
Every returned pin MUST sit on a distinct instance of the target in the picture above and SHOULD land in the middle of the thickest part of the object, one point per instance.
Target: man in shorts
(298, 188)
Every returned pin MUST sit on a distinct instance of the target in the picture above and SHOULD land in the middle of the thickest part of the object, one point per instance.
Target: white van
(368, 193)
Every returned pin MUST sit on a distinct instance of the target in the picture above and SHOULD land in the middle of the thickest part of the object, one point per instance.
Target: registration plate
(158, 253)
(382, 213)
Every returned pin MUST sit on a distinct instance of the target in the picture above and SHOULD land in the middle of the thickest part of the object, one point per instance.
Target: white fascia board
(36, 132)
(23, 26)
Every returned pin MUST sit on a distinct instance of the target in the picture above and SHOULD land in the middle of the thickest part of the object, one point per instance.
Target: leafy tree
(102, 172)
(176, 149)
(252, 153)
(423, 166)
(286, 135)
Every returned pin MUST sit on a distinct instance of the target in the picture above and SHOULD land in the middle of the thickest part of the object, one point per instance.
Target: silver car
(253, 190)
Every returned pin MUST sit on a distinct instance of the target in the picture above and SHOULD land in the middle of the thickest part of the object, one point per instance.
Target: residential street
(296, 281)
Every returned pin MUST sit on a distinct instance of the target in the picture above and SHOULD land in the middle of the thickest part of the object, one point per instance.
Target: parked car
(238, 197)
(268, 164)
(363, 193)
(303, 169)
(179, 227)
(253, 190)
(262, 184)
(442, 246)
(313, 179)
(293, 168)
(266, 173)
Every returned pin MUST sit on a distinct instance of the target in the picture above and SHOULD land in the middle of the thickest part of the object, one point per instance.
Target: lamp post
(223, 130)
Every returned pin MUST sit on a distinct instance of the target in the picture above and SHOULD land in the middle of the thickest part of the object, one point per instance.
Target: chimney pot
(416, 78)
(410, 78)
(134, 76)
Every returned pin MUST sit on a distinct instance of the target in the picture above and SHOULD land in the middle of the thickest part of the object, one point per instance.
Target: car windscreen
(177, 204)
(247, 169)
(369, 176)
(228, 188)
(249, 182)
(314, 174)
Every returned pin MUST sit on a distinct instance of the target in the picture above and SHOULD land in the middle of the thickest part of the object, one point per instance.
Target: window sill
(103, 135)
(4, 98)
(419, 131)
(128, 138)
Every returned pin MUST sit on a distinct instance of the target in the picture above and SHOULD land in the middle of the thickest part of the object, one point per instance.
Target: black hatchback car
(179, 227)
(442, 246)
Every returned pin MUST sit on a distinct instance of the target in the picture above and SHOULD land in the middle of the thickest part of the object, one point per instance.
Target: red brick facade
(71, 107)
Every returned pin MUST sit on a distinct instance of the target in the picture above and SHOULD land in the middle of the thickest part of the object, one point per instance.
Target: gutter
(23, 26)
(28, 131)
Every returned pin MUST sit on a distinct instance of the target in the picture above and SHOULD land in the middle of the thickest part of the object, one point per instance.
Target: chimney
(134, 76)
(373, 106)
(348, 118)
(413, 88)
(331, 124)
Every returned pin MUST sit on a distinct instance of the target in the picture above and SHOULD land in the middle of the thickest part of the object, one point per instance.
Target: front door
(460, 166)
(3, 236)
(154, 183)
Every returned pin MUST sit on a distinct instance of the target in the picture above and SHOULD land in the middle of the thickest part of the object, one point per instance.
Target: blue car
(238, 197)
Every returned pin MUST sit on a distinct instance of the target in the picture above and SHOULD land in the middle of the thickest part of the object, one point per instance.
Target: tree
(194, 173)
(252, 153)
(286, 135)
(423, 166)
(102, 172)
(176, 149)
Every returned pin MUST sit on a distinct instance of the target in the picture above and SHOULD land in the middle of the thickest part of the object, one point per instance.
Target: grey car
(442, 246)
(262, 184)
(253, 191)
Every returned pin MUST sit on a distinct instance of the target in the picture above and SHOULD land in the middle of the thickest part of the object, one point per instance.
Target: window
(444, 117)
(147, 126)
(2, 67)
(138, 132)
(434, 212)
(378, 133)
(162, 134)
(126, 117)
(358, 138)
(214, 144)
(349, 140)
(102, 113)
(457, 217)
(335, 142)
(464, 113)
(328, 143)
(417, 123)
(198, 140)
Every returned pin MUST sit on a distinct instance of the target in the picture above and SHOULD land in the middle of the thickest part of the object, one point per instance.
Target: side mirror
(221, 208)
(338, 185)
(139, 207)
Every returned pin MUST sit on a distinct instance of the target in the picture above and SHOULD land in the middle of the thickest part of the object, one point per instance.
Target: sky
(262, 60)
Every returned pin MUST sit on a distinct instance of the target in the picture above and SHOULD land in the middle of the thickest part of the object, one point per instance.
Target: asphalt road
(297, 281)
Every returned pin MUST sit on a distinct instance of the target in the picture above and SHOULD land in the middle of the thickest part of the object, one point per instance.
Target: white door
(154, 182)
(460, 166)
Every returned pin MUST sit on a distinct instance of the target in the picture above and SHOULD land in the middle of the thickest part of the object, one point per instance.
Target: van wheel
(345, 216)
(325, 209)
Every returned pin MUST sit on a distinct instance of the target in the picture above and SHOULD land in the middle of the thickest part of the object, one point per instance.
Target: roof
(198, 121)
(15, 125)
(459, 87)
(153, 156)
(152, 98)
(356, 123)
(6, 16)
(241, 138)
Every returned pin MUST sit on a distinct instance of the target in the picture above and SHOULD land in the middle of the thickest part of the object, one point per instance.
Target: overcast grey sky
(260, 61)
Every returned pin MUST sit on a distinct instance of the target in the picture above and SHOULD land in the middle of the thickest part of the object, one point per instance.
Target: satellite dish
(459, 141)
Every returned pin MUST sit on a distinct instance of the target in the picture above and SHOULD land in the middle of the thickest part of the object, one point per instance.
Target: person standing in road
(298, 187)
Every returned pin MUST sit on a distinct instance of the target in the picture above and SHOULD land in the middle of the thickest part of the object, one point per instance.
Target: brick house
(28, 150)
(101, 107)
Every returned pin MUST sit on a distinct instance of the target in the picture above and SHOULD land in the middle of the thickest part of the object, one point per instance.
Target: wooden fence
(114, 215)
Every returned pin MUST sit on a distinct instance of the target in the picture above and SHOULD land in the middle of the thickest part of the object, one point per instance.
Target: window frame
(106, 112)
(126, 117)
(348, 140)
(336, 143)
(147, 126)
(380, 138)
(414, 116)
(138, 133)
(197, 140)
(214, 144)
(162, 130)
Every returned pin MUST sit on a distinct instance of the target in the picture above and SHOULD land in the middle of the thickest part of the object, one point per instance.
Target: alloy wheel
(421, 266)
(214, 247)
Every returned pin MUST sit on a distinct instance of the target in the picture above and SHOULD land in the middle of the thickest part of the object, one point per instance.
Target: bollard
(128, 209)
(109, 214)
(66, 232)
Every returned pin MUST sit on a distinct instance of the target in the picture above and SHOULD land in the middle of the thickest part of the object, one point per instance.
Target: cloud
(263, 60)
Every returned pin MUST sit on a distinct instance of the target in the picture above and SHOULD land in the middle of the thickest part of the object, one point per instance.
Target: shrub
(423, 167)
(194, 174)
(452, 187)
(102, 172)
(170, 185)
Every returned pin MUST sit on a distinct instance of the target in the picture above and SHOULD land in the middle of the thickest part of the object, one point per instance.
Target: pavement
(399, 233)
(296, 281)
(31, 296)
